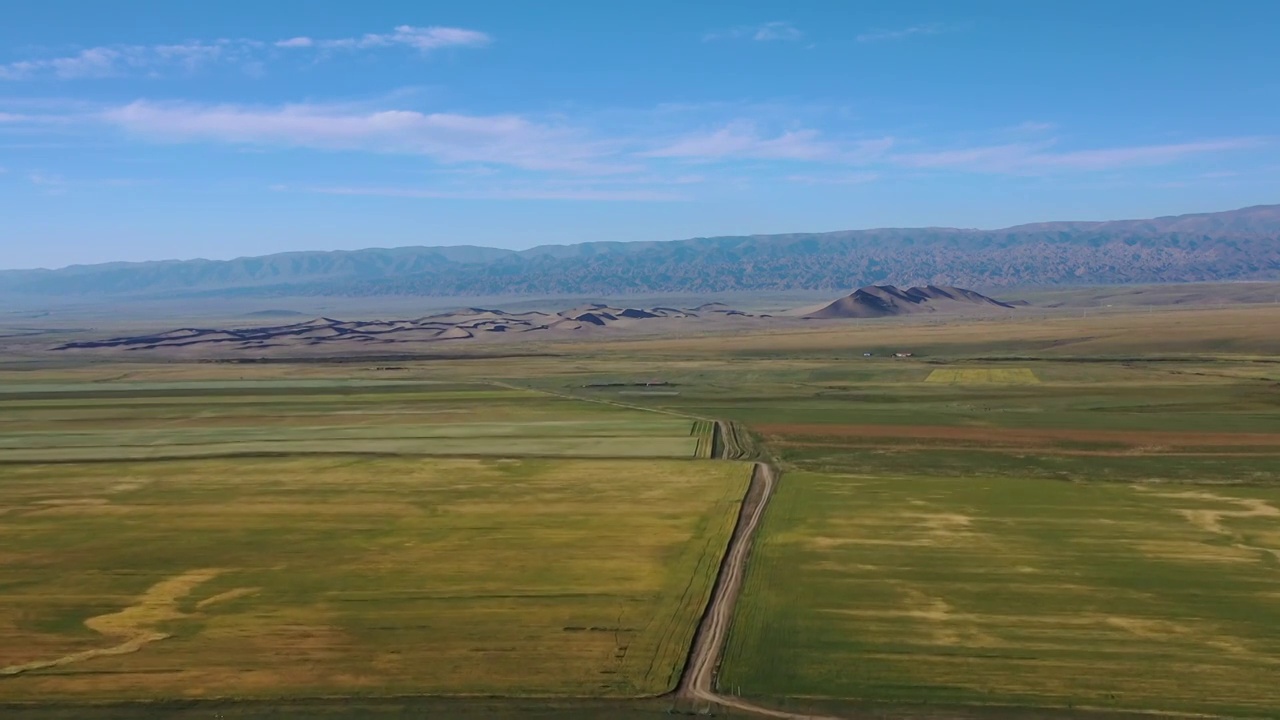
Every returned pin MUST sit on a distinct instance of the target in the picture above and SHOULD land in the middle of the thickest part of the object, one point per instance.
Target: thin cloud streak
(743, 140)
(768, 32)
(115, 61)
(424, 39)
(584, 194)
(903, 33)
(119, 60)
(860, 178)
(1024, 158)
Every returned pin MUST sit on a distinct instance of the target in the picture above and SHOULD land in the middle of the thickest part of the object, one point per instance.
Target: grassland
(46, 422)
(980, 376)
(1107, 537)
(331, 575)
(947, 535)
(197, 535)
(1014, 591)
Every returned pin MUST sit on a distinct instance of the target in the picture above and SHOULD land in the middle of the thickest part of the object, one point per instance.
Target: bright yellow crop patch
(983, 376)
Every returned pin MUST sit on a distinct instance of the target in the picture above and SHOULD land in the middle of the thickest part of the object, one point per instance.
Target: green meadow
(1014, 591)
(1026, 519)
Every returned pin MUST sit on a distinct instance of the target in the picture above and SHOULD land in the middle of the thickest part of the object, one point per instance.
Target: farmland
(949, 532)
(314, 575)
(1014, 591)
(999, 376)
(1048, 518)
(157, 420)
(303, 537)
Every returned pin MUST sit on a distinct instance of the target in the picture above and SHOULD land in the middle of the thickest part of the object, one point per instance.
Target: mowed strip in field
(1005, 590)
(339, 575)
(85, 422)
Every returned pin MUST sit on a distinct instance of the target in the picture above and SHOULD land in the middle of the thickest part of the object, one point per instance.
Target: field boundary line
(600, 401)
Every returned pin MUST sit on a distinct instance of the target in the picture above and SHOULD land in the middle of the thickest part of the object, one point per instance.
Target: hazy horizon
(518, 249)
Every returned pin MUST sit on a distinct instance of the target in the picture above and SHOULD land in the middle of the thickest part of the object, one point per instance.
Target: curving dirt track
(698, 683)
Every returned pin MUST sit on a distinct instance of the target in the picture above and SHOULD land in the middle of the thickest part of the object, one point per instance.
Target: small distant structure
(903, 354)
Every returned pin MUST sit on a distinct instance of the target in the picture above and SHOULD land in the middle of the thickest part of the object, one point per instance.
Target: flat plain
(977, 545)
(156, 420)
(1106, 538)
(1014, 591)
(321, 575)
(179, 537)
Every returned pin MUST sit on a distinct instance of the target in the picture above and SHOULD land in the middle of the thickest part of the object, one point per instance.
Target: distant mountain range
(1236, 245)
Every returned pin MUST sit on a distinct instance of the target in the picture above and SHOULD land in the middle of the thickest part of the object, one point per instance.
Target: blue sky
(154, 130)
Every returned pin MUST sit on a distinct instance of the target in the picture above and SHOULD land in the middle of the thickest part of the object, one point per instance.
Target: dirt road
(699, 680)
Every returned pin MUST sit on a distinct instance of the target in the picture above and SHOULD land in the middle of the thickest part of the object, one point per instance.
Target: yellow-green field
(1069, 514)
(980, 376)
(158, 420)
(332, 575)
(1016, 592)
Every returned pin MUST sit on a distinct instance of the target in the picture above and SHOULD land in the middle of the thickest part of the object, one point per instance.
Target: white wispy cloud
(904, 33)
(744, 140)
(1024, 158)
(418, 38)
(49, 184)
(661, 156)
(117, 60)
(510, 140)
(1033, 127)
(857, 178)
(113, 61)
(769, 31)
(501, 193)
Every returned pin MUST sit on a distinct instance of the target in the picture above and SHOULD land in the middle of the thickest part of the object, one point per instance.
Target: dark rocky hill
(885, 300)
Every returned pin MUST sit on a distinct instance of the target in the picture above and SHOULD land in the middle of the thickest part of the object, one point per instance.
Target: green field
(1014, 591)
(1026, 519)
(949, 534)
(328, 575)
(996, 376)
(131, 421)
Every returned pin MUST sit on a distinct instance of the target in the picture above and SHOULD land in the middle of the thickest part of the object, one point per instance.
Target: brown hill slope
(884, 300)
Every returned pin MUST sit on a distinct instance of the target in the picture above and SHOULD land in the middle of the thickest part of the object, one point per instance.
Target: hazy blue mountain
(1236, 245)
